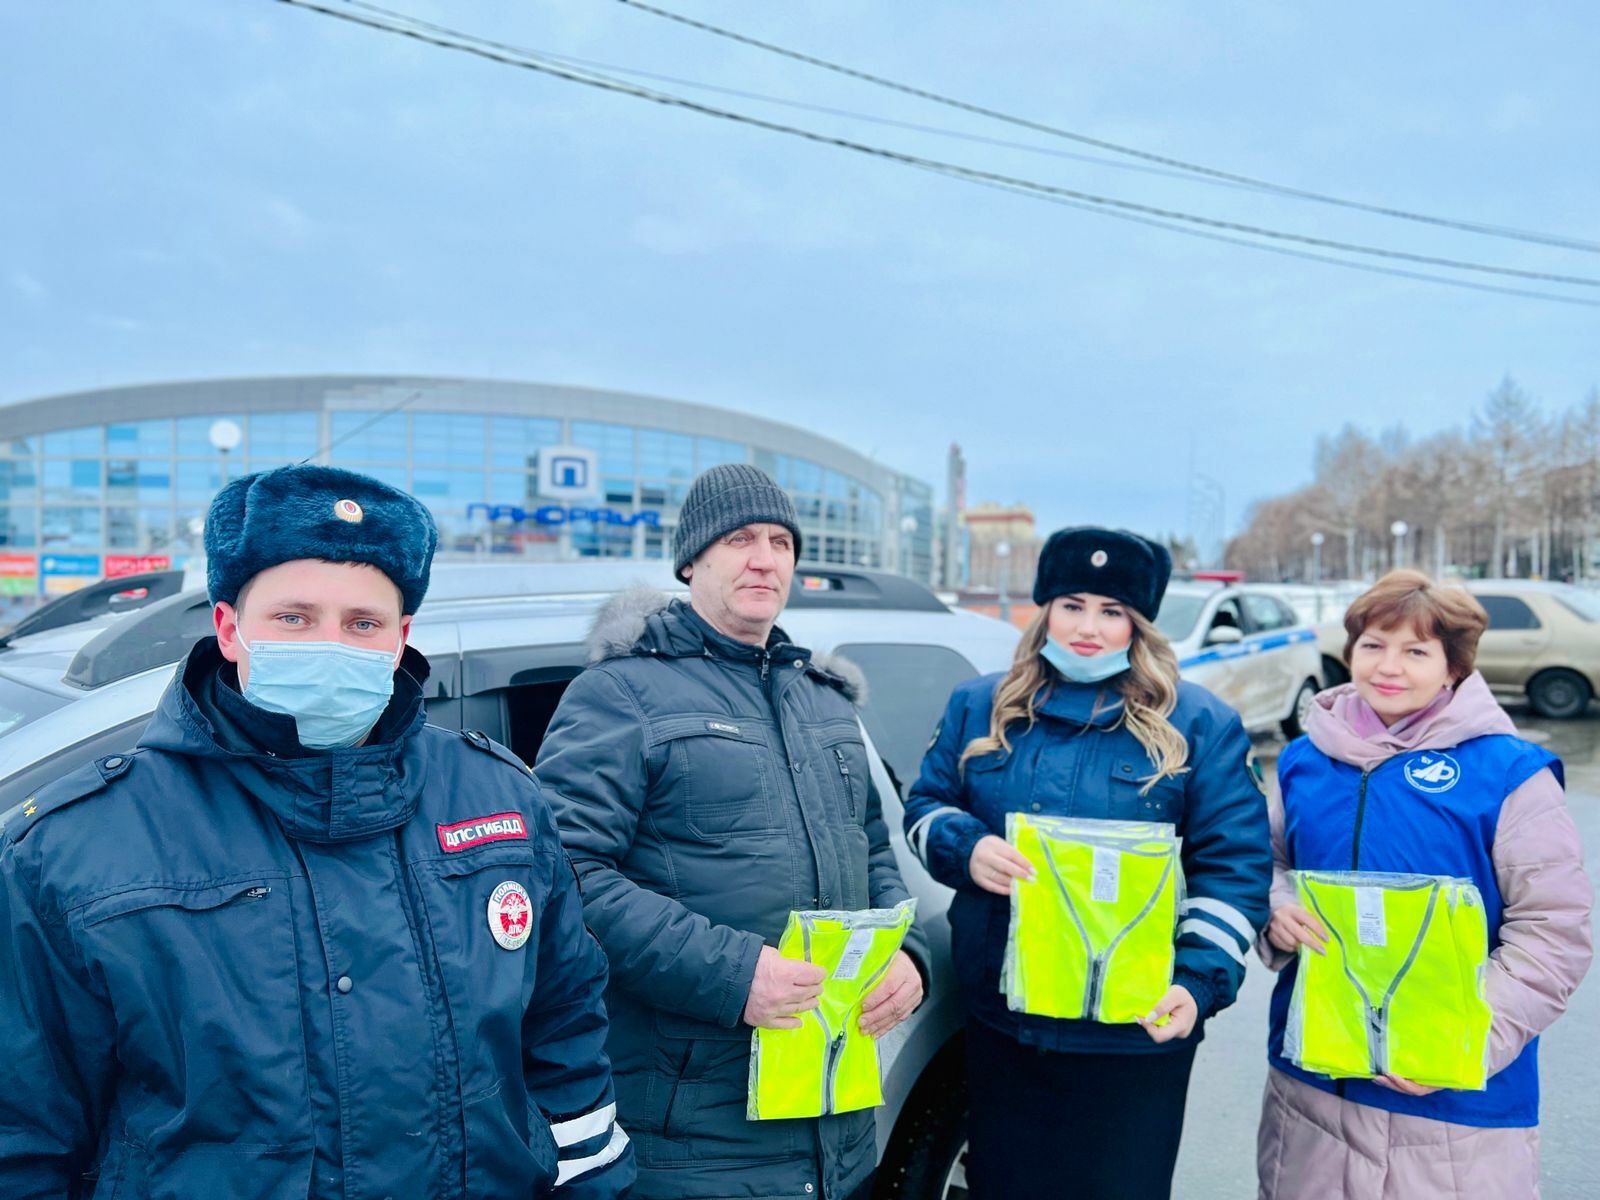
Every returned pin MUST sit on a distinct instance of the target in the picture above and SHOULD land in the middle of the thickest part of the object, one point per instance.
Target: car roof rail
(822, 586)
(156, 635)
(122, 593)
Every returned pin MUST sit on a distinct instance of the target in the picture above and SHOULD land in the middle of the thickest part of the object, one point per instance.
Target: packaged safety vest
(828, 1065)
(1091, 934)
(1400, 990)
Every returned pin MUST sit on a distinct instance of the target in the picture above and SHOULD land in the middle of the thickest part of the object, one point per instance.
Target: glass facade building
(108, 481)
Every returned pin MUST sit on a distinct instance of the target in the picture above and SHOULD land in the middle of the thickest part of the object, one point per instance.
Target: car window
(1264, 613)
(1227, 616)
(907, 690)
(1508, 612)
(20, 704)
(1178, 614)
(1581, 604)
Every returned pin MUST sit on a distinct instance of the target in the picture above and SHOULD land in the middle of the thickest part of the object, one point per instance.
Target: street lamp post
(1002, 551)
(1399, 529)
(1316, 570)
(908, 527)
(224, 435)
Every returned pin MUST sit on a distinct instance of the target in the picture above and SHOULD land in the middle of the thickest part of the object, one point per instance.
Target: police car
(503, 641)
(1249, 647)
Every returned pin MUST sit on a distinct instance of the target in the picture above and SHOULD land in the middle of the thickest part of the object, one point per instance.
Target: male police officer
(299, 943)
(709, 777)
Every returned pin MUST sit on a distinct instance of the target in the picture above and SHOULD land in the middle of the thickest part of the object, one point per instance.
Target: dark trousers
(1072, 1126)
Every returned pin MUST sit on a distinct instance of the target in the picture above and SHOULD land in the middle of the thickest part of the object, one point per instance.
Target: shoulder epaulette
(479, 740)
(59, 793)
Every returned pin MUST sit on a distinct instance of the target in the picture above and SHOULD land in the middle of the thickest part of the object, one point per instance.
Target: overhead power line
(468, 44)
(1501, 231)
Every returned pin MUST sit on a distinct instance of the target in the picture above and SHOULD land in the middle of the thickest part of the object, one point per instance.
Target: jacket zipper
(1355, 860)
(844, 771)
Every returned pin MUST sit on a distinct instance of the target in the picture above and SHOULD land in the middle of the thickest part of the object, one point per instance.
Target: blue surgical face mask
(334, 692)
(1084, 669)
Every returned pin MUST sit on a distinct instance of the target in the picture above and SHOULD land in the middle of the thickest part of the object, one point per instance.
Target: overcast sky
(238, 187)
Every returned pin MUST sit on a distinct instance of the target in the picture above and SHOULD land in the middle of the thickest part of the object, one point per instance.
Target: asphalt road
(1218, 1157)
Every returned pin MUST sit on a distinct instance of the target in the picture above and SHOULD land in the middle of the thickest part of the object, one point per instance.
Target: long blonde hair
(1149, 691)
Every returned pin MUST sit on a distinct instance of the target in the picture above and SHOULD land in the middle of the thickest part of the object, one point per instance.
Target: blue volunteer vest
(1430, 812)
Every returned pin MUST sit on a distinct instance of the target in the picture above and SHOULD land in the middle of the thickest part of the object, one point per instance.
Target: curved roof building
(104, 481)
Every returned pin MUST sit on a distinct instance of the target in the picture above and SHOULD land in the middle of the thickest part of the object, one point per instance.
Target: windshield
(1585, 605)
(1178, 615)
(20, 704)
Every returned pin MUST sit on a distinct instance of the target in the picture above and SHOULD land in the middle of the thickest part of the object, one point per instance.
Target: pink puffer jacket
(1310, 1141)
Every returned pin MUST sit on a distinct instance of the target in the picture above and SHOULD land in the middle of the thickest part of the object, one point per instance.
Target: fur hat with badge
(305, 511)
(1104, 562)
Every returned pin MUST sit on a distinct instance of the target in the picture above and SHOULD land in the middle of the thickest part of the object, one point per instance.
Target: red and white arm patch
(475, 831)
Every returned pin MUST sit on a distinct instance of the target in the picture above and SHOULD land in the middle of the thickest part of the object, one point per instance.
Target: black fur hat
(1105, 562)
(277, 516)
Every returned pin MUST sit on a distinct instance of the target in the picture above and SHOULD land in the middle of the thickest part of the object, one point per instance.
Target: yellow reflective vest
(1400, 990)
(828, 1065)
(1091, 934)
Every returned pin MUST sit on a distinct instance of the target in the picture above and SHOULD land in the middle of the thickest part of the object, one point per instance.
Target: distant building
(116, 480)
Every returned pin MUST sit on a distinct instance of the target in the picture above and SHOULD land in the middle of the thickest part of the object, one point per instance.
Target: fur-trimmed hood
(644, 620)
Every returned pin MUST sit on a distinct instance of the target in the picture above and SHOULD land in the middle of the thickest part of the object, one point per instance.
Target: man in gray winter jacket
(709, 777)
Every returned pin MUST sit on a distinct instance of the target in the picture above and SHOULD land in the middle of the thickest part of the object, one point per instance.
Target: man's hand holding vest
(894, 999)
(782, 987)
(1179, 1008)
(995, 863)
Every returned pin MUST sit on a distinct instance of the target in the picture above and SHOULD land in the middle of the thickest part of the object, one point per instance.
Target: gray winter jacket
(704, 788)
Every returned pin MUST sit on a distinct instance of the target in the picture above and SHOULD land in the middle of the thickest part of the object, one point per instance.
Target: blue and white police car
(1247, 646)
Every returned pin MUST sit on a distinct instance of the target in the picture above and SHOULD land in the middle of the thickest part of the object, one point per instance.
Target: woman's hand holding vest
(894, 999)
(781, 988)
(1404, 1086)
(1293, 926)
(995, 863)
(1179, 1008)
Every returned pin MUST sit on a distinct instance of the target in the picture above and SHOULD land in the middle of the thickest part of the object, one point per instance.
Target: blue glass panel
(18, 447)
(457, 488)
(70, 527)
(614, 444)
(806, 476)
(455, 439)
(129, 479)
(18, 481)
(75, 441)
(665, 455)
(515, 441)
(774, 464)
(512, 487)
(140, 439)
(194, 437)
(836, 484)
(17, 525)
(278, 438)
(366, 437)
(71, 479)
(618, 492)
(197, 480)
(712, 451)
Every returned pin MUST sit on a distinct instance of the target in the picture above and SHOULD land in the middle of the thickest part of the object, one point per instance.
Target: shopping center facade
(118, 479)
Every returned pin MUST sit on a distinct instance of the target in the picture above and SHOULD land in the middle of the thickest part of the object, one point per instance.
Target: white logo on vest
(1432, 772)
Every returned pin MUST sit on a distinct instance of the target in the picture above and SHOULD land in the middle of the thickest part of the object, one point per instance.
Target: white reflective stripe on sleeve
(1212, 934)
(1224, 912)
(581, 1129)
(917, 835)
(570, 1169)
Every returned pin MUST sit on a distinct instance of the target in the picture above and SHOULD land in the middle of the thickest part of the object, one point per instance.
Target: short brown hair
(1448, 613)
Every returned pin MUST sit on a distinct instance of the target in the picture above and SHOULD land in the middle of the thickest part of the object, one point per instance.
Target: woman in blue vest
(1091, 721)
(1413, 767)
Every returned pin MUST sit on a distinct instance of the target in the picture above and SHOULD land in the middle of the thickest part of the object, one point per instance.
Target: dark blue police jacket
(232, 968)
(1078, 760)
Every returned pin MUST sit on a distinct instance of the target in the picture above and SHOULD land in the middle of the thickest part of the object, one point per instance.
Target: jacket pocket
(845, 758)
(483, 909)
(697, 1097)
(510, 1151)
(720, 766)
(205, 983)
(1130, 801)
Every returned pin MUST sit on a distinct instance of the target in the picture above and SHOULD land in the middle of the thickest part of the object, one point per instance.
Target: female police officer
(1091, 721)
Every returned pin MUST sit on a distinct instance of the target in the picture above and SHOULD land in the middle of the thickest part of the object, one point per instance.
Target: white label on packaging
(1107, 874)
(855, 952)
(1370, 929)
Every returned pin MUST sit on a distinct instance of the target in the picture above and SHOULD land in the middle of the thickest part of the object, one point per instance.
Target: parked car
(1247, 646)
(503, 642)
(1543, 643)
